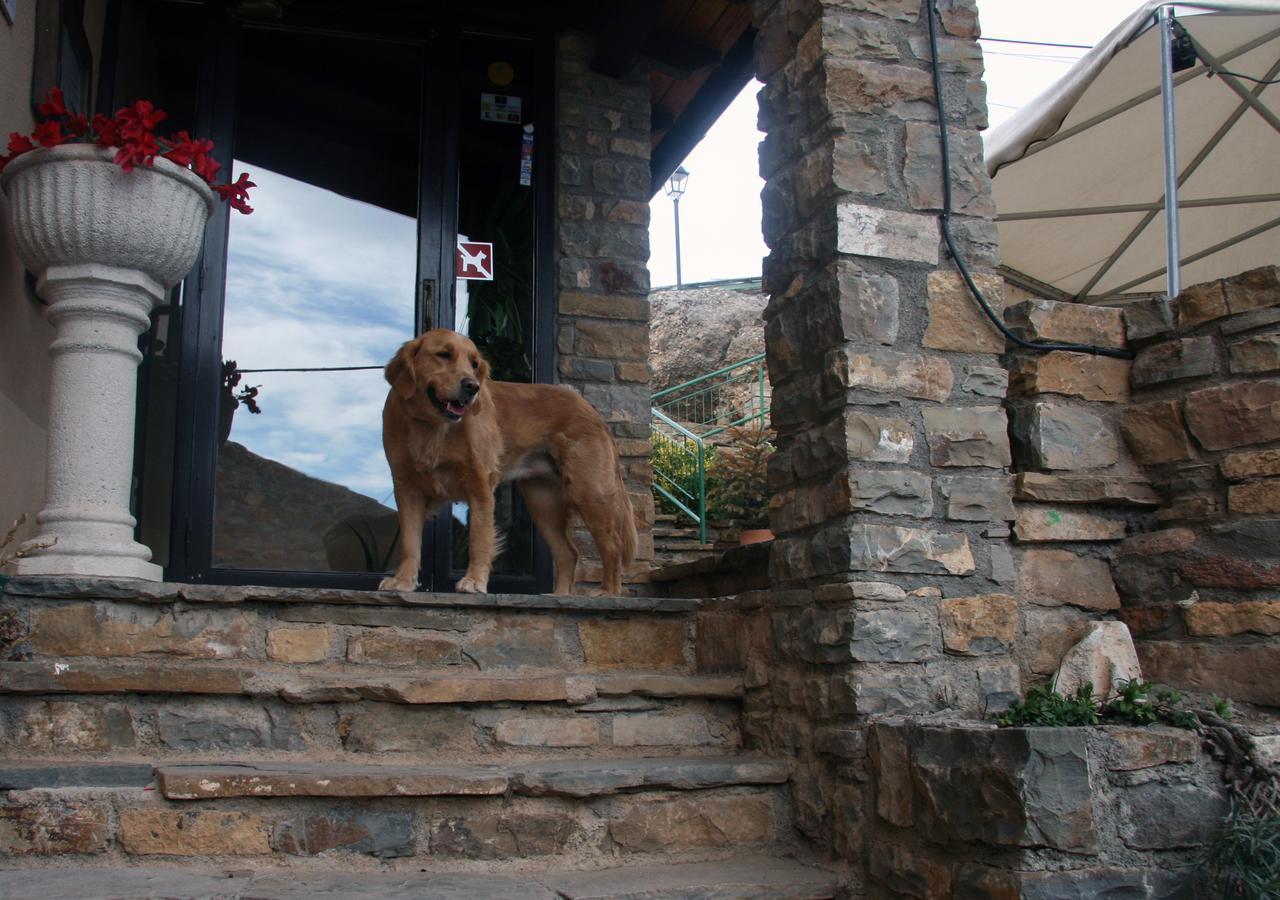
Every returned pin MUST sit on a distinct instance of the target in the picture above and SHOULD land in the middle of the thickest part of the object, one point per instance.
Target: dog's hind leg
(545, 499)
(411, 508)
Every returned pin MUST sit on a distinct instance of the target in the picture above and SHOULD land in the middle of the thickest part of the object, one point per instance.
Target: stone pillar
(893, 581)
(602, 250)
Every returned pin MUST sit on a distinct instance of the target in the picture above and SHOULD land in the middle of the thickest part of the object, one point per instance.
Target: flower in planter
(131, 133)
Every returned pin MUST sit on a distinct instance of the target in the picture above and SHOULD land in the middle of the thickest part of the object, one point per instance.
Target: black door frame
(196, 438)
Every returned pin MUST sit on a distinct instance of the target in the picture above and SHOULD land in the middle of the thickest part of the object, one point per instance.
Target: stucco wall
(24, 335)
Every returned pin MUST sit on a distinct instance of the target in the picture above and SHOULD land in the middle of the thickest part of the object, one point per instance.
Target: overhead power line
(1037, 43)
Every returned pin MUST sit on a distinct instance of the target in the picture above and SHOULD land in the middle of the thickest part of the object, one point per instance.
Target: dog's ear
(400, 373)
(482, 375)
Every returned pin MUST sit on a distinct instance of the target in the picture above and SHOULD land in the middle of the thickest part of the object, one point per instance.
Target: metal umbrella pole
(1172, 236)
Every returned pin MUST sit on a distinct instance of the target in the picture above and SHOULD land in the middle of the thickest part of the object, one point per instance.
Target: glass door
(373, 158)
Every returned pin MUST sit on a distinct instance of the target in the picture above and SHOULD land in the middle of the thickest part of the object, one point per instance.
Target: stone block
(385, 835)
(1038, 523)
(1048, 633)
(1192, 357)
(1234, 415)
(999, 685)
(1254, 289)
(1156, 816)
(1243, 672)
(633, 643)
(1099, 378)
(888, 548)
(1008, 787)
(1039, 319)
(1053, 577)
(986, 381)
(611, 340)
(891, 761)
(603, 306)
(418, 650)
(887, 634)
(1131, 749)
(891, 493)
(978, 498)
(684, 824)
(862, 87)
(1254, 498)
(872, 692)
(878, 439)
(1201, 303)
(974, 626)
(910, 872)
(163, 832)
(657, 730)
(119, 629)
(1104, 658)
(50, 827)
(74, 726)
(522, 731)
(515, 641)
(1211, 619)
(886, 234)
(1256, 354)
(387, 728)
(1083, 487)
(1148, 318)
(1049, 436)
(506, 834)
(299, 645)
(208, 727)
(956, 322)
(1250, 464)
(868, 305)
(977, 882)
(970, 184)
(967, 436)
(1156, 433)
(891, 372)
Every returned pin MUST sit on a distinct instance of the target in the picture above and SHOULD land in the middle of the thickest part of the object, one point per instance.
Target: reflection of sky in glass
(315, 279)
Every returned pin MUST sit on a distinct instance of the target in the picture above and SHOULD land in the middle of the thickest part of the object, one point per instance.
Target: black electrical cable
(1183, 34)
(944, 221)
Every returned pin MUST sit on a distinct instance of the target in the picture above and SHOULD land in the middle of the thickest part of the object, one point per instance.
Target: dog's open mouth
(451, 409)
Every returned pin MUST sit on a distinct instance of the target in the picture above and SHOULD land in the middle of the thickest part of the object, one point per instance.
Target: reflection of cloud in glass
(316, 280)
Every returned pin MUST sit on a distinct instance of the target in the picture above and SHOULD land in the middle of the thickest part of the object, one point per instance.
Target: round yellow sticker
(501, 73)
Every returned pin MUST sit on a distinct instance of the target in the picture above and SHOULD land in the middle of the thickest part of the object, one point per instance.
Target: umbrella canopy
(1078, 173)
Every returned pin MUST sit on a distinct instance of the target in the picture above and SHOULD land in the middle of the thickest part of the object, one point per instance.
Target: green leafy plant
(679, 471)
(1245, 859)
(1045, 707)
(741, 493)
(1141, 703)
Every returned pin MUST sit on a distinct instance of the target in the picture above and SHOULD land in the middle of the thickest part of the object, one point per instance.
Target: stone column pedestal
(105, 246)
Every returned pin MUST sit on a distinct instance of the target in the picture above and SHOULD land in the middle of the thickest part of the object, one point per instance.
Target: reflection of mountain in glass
(317, 280)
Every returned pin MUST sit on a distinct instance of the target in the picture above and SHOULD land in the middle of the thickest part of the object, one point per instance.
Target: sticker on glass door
(474, 261)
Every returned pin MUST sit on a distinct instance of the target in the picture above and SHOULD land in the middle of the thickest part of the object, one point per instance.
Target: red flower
(236, 194)
(205, 165)
(54, 105)
(19, 144)
(139, 119)
(181, 149)
(77, 126)
(48, 134)
(137, 152)
(108, 135)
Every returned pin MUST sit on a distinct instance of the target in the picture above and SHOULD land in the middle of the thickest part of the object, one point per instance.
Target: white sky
(720, 212)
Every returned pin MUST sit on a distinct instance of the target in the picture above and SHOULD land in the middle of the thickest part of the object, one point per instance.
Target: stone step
(755, 877)
(176, 727)
(564, 778)
(682, 544)
(438, 818)
(59, 618)
(346, 683)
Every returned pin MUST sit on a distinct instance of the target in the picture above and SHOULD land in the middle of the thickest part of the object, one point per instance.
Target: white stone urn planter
(105, 246)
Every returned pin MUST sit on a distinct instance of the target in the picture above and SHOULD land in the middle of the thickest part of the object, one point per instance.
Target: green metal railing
(684, 417)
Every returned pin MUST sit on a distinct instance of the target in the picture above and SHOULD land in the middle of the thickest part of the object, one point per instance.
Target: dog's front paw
(469, 585)
(394, 583)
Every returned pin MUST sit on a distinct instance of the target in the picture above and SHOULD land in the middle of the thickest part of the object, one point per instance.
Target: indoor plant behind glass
(108, 216)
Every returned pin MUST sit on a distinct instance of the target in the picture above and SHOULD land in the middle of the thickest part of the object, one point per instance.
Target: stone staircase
(179, 740)
(676, 541)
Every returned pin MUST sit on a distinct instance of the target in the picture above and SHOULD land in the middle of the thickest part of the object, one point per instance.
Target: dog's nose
(470, 387)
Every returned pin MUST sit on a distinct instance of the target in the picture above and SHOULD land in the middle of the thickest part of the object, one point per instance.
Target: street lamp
(675, 190)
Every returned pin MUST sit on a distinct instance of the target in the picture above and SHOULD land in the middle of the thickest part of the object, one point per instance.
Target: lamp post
(675, 190)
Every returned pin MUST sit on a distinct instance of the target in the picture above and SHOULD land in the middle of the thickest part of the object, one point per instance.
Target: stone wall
(979, 812)
(1078, 491)
(1201, 587)
(892, 578)
(602, 248)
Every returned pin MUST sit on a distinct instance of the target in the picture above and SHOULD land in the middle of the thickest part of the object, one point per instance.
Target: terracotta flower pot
(105, 246)
(754, 536)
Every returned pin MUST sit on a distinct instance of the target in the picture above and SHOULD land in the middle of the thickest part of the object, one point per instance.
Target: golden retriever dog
(451, 433)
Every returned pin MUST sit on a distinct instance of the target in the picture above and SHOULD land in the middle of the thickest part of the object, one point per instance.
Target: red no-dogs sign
(475, 261)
